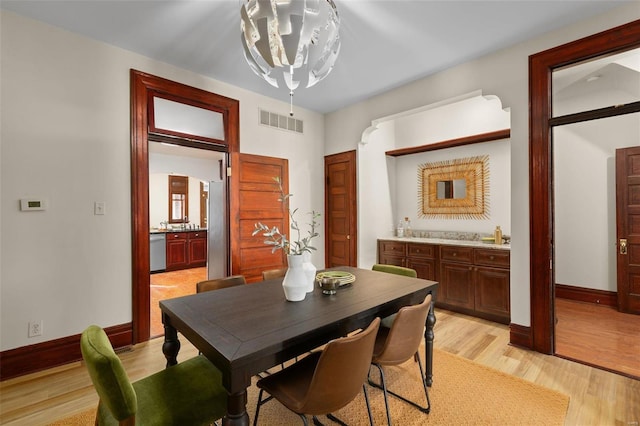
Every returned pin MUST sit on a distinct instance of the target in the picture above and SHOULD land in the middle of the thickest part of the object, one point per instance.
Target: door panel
(341, 238)
(628, 228)
(254, 198)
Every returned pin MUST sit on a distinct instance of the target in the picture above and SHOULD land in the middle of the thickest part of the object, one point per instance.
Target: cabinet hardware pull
(492, 257)
(455, 254)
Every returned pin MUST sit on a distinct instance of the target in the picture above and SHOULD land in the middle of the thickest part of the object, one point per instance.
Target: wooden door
(254, 198)
(341, 236)
(628, 228)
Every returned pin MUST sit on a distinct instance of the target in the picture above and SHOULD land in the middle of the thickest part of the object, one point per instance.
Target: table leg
(428, 343)
(236, 410)
(171, 345)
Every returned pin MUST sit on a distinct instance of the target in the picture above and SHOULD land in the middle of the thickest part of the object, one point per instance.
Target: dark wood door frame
(142, 85)
(541, 65)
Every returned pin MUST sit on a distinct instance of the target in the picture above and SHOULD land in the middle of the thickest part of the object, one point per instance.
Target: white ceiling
(385, 43)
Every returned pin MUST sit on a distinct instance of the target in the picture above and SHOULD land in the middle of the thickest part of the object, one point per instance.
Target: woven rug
(463, 393)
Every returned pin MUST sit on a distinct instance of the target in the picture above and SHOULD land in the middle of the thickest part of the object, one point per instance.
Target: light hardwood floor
(597, 397)
(598, 335)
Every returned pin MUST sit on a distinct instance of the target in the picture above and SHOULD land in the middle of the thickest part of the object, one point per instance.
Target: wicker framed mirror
(454, 189)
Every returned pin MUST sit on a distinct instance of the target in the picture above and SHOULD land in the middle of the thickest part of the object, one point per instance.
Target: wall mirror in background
(454, 189)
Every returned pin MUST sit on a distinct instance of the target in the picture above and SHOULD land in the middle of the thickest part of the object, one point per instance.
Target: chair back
(219, 283)
(107, 374)
(393, 269)
(341, 371)
(273, 273)
(404, 338)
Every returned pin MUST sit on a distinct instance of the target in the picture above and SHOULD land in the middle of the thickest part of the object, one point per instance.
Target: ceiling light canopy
(290, 42)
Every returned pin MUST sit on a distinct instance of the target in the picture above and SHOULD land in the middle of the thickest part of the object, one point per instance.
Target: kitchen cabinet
(186, 249)
(422, 258)
(473, 280)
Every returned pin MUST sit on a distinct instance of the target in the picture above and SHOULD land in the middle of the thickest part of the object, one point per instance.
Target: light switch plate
(99, 208)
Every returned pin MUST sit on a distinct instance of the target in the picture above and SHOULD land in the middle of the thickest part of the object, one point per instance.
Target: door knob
(623, 246)
(349, 237)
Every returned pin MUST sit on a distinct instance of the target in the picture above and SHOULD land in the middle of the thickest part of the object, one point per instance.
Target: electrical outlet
(35, 328)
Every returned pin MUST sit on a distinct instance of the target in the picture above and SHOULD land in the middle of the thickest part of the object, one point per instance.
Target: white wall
(66, 137)
(585, 178)
(585, 199)
(504, 74)
(389, 185)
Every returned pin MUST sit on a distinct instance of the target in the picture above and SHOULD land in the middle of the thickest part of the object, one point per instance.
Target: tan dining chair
(189, 393)
(218, 283)
(326, 380)
(397, 344)
(273, 273)
(396, 270)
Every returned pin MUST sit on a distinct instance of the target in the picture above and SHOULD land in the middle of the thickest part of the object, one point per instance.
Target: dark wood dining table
(245, 330)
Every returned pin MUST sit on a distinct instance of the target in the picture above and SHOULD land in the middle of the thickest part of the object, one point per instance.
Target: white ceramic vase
(295, 280)
(309, 270)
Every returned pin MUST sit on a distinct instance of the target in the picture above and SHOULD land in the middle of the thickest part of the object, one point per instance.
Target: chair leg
(366, 400)
(423, 379)
(384, 391)
(255, 418)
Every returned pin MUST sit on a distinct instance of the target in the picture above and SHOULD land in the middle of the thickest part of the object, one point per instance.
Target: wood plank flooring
(597, 397)
(167, 285)
(598, 335)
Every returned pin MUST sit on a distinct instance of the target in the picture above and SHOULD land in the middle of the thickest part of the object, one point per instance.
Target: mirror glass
(451, 189)
(454, 189)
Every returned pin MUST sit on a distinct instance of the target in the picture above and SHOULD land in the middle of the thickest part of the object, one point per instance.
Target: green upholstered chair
(189, 393)
(398, 270)
(393, 269)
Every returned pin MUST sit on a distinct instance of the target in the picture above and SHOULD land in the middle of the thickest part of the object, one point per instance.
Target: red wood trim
(40, 356)
(468, 140)
(617, 39)
(588, 295)
(141, 85)
(521, 336)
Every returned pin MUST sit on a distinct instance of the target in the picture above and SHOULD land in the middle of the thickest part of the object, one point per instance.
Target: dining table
(247, 329)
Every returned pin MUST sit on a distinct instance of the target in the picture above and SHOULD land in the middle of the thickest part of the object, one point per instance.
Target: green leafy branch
(278, 240)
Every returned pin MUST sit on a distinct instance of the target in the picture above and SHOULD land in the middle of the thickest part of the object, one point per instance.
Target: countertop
(173, 231)
(442, 241)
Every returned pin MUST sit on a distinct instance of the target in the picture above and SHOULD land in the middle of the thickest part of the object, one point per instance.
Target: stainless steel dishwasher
(157, 252)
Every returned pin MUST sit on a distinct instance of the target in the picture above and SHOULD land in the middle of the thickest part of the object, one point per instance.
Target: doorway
(179, 175)
(541, 66)
(144, 89)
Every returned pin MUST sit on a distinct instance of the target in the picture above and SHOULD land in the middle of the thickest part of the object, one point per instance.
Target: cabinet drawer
(393, 248)
(177, 236)
(197, 234)
(456, 254)
(492, 257)
(425, 251)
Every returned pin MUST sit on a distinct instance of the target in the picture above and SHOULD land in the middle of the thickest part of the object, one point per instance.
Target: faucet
(184, 222)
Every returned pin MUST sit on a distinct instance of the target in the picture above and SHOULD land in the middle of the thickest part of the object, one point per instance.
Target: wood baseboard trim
(521, 336)
(589, 295)
(33, 358)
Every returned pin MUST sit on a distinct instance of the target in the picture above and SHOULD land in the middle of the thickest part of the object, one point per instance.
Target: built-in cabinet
(186, 249)
(472, 280)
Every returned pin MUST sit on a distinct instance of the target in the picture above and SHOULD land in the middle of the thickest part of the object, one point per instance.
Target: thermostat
(27, 204)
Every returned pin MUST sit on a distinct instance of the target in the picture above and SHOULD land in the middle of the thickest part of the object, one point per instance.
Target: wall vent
(281, 122)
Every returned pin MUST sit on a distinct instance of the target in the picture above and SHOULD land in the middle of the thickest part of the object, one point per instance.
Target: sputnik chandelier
(291, 42)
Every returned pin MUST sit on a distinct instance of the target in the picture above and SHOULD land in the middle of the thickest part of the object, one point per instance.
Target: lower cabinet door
(426, 269)
(176, 252)
(492, 291)
(456, 285)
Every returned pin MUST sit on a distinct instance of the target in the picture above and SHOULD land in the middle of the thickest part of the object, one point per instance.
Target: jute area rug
(463, 393)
